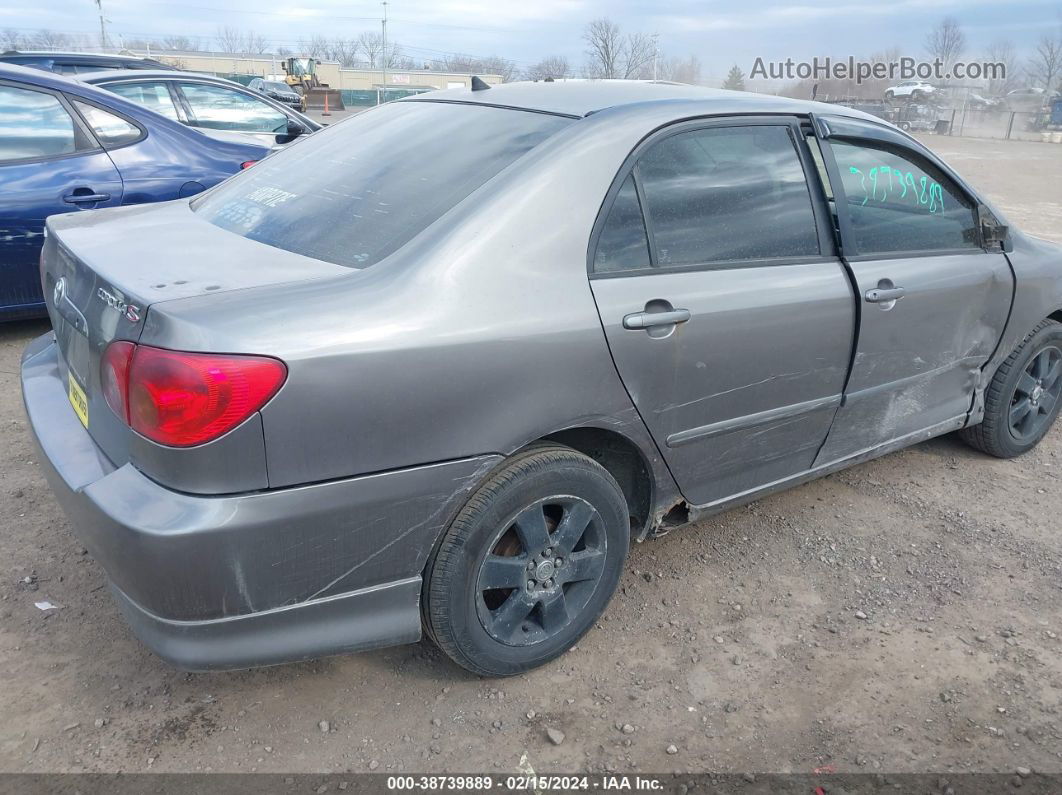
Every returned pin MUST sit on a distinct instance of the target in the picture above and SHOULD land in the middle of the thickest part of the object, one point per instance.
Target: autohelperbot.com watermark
(852, 68)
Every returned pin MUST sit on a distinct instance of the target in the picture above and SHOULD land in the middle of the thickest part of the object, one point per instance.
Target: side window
(35, 124)
(220, 108)
(898, 204)
(727, 193)
(153, 96)
(111, 130)
(623, 244)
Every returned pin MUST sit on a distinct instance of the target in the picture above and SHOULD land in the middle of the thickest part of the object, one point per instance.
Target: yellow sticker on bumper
(78, 400)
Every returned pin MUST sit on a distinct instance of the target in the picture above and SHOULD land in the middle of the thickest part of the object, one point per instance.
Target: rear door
(727, 312)
(50, 163)
(932, 300)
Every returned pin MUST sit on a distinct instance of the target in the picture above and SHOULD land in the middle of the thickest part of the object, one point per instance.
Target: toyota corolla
(436, 368)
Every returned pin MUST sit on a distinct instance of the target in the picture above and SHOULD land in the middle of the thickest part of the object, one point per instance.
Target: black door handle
(882, 295)
(85, 198)
(644, 320)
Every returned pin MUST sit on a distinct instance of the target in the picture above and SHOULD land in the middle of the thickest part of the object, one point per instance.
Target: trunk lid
(103, 271)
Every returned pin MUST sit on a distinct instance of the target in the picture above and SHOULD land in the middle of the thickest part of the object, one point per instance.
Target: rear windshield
(358, 191)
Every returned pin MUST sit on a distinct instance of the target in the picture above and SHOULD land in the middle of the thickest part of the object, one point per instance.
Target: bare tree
(1002, 51)
(182, 43)
(636, 58)
(345, 51)
(255, 43)
(681, 70)
(10, 39)
(316, 46)
(604, 46)
(554, 66)
(491, 65)
(946, 41)
(610, 54)
(1045, 66)
(370, 45)
(45, 39)
(229, 39)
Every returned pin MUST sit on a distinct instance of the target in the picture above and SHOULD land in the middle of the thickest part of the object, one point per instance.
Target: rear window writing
(357, 192)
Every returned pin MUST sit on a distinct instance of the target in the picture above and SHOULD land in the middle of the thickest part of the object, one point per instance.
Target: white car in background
(909, 89)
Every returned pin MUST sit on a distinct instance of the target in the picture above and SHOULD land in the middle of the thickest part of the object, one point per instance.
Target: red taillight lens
(183, 399)
(114, 377)
(247, 163)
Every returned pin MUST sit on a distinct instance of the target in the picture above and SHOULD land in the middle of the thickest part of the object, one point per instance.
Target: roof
(582, 97)
(98, 56)
(108, 75)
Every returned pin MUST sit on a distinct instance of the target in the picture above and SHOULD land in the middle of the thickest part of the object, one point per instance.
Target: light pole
(383, 49)
(103, 29)
(656, 50)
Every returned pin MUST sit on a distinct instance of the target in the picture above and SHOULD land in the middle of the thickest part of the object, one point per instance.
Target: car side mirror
(292, 131)
(994, 235)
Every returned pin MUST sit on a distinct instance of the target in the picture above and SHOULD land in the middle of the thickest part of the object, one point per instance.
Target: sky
(719, 33)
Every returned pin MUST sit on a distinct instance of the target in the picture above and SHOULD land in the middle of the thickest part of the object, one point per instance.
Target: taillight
(182, 399)
(114, 377)
(247, 163)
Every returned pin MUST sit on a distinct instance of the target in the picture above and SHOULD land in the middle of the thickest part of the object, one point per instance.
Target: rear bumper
(246, 579)
(383, 615)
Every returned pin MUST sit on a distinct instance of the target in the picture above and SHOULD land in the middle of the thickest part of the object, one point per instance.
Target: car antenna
(479, 85)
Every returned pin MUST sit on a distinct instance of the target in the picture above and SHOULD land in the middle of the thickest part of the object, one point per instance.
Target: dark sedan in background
(66, 146)
(279, 91)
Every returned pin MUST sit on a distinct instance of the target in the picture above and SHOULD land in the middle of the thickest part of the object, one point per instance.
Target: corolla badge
(130, 312)
(59, 292)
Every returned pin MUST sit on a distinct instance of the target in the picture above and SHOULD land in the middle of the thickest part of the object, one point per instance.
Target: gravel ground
(901, 616)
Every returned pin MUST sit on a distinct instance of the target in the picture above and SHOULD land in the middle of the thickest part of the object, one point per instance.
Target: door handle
(85, 198)
(644, 320)
(882, 295)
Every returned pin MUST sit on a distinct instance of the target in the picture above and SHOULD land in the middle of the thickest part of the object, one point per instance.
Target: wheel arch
(625, 461)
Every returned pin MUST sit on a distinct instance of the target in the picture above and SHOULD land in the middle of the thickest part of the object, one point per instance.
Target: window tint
(219, 108)
(896, 204)
(111, 130)
(727, 193)
(623, 244)
(358, 191)
(33, 124)
(154, 96)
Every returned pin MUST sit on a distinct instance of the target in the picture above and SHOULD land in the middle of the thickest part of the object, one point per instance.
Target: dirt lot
(904, 615)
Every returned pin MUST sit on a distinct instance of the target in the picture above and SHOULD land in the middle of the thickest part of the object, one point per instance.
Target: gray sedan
(218, 107)
(434, 369)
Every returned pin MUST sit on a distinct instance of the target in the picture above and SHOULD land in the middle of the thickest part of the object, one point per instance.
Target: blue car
(67, 147)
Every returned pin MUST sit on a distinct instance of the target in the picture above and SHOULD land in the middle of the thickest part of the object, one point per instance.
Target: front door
(933, 302)
(727, 313)
(50, 163)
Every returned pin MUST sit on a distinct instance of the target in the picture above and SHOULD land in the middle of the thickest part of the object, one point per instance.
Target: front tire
(529, 563)
(1024, 397)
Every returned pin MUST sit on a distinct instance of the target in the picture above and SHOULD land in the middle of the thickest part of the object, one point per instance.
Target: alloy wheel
(541, 570)
(1036, 395)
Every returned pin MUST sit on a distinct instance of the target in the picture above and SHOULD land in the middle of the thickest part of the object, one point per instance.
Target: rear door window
(152, 95)
(35, 124)
(725, 194)
(623, 244)
(358, 191)
(111, 130)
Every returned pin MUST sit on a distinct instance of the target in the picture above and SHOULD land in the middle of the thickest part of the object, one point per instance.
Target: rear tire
(529, 563)
(1023, 399)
